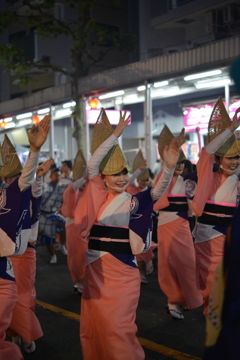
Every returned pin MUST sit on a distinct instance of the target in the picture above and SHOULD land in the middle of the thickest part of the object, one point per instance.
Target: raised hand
(43, 168)
(123, 122)
(171, 152)
(182, 137)
(235, 121)
(38, 133)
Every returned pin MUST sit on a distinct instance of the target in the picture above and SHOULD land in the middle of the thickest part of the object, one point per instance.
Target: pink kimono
(214, 204)
(76, 245)
(112, 283)
(8, 288)
(24, 321)
(176, 256)
(8, 350)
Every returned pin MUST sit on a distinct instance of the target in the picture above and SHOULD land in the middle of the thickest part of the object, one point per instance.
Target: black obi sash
(111, 246)
(217, 215)
(177, 204)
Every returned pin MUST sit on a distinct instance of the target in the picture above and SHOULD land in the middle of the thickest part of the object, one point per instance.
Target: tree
(90, 43)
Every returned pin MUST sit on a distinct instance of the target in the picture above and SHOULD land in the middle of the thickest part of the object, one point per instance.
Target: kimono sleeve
(141, 221)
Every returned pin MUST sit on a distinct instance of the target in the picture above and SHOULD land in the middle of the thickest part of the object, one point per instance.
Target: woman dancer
(25, 325)
(216, 195)
(176, 256)
(15, 202)
(76, 246)
(116, 224)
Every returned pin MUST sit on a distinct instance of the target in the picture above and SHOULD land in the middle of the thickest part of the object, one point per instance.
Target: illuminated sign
(198, 116)
(113, 116)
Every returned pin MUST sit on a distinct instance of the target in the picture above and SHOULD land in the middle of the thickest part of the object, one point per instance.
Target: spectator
(52, 199)
(66, 172)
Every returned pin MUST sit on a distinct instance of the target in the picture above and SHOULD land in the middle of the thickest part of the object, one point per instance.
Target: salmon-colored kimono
(148, 255)
(117, 227)
(214, 204)
(8, 350)
(15, 221)
(76, 245)
(176, 256)
(111, 288)
(24, 321)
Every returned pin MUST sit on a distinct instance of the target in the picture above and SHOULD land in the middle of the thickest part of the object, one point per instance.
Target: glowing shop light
(112, 94)
(24, 116)
(43, 111)
(201, 75)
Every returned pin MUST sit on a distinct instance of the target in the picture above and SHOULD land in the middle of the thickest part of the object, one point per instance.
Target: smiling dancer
(216, 195)
(176, 256)
(116, 224)
(76, 245)
(15, 203)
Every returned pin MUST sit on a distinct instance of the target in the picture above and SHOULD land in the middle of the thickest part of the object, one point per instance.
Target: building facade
(178, 40)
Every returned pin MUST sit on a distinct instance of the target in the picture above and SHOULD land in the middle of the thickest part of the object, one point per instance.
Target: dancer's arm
(162, 183)
(37, 187)
(97, 157)
(36, 136)
(171, 156)
(27, 176)
(218, 141)
(102, 150)
(78, 183)
(38, 184)
(134, 176)
(137, 172)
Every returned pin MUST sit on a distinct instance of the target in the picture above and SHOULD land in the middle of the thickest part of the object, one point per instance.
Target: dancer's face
(143, 183)
(179, 168)
(228, 166)
(117, 183)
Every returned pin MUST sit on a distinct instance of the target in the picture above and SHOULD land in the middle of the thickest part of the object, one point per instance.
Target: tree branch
(50, 66)
(61, 24)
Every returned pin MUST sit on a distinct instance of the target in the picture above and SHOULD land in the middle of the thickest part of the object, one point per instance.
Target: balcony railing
(209, 56)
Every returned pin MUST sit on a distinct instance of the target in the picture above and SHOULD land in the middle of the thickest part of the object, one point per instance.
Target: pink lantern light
(198, 116)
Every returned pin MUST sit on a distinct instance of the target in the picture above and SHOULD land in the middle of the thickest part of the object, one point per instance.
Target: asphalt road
(162, 337)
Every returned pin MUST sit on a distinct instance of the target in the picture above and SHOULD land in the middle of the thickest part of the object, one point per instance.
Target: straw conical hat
(1, 159)
(138, 160)
(164, 139)
(114, 162)
(12, 165)
(144, 175)
(220, 121)
(79, 166)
